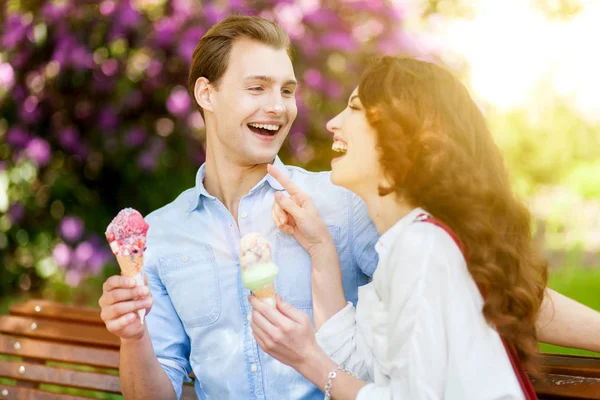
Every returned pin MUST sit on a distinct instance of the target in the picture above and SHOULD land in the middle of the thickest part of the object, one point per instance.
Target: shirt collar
(284, 170)
(200, 190)
(389, 237)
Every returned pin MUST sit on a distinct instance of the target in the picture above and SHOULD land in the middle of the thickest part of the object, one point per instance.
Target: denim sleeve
(363, 237)
(169, 339)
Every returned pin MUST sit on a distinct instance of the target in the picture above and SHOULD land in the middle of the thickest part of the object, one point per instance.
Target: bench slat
(57, 311)
(59, 331)
(59, 376)
(571, 365)
(8, 392)
(567, 387)
(66, 353)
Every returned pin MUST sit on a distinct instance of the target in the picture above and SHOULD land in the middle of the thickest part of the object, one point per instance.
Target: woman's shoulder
(424, 240)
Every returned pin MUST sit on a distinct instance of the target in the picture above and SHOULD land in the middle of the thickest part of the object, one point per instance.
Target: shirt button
(185, 259)
(244, 214)
(249, 317)
(253, 368)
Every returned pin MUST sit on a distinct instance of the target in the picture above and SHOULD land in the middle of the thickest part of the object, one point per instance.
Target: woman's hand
(285, 333)
(297, 215)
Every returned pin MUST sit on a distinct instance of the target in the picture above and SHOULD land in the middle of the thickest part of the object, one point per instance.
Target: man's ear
(202, 93)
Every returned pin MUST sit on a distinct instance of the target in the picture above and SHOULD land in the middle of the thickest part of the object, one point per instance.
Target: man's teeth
(340, 147)
(268, 127)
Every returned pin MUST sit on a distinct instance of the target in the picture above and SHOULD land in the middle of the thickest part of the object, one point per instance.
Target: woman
(429, 325)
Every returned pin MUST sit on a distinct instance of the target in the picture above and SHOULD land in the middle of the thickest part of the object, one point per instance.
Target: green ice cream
(260, 276)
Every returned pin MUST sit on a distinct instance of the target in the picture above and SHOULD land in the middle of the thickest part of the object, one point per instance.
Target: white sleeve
(341, 340)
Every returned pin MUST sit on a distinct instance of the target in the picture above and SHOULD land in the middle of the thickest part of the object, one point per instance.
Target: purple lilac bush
(94, 114)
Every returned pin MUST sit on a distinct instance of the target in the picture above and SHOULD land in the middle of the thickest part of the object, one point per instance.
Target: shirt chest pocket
(192, 281)
(293, 282)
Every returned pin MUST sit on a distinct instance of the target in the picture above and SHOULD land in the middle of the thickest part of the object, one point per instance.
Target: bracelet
(332, 376)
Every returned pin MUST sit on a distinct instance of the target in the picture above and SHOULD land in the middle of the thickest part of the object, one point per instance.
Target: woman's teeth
(339, 147)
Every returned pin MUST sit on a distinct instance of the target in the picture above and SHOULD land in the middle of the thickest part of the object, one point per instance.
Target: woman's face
(358, 167)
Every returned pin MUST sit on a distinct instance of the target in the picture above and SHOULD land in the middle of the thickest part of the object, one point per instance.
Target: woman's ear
(202, 93)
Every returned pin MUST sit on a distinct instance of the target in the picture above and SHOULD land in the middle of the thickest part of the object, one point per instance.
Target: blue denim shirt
(200, 318)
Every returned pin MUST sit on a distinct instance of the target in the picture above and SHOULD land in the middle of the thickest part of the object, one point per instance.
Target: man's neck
(229, 181)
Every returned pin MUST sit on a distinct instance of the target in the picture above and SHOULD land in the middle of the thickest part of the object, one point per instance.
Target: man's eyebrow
(268, 79)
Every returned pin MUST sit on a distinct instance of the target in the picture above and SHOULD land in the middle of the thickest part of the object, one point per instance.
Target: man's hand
(120, 300)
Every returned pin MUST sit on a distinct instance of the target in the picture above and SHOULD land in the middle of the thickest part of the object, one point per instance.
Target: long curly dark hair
(438, 153)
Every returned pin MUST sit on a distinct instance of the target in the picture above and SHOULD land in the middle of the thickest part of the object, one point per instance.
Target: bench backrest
(48, 349)
(46, 345)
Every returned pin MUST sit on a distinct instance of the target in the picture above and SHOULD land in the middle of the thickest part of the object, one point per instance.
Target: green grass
(581, 284)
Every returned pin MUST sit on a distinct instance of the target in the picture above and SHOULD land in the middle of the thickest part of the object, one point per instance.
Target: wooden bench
(45, 345)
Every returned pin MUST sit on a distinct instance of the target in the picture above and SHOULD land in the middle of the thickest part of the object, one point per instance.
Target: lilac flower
(164, 31)
(126, 15)
(16, 212)
(110, 67)
(14, 32)
(107, 120)
(322, 17)
(212, 14)
(188, 42)
(147, 161)
(333, 90)
(101, 255)
(179, 102)
(62, 51)
(71, 228)
(39, 151)
(313, 78)
(134, 137)
(20, 59)
(73, 277)
(154, 69)
(30, 113)
(81, 58)
(7, 76)
(62, 254)
(182, 7)
(309, 45)
(83, 252)
(55, 11)
(19, 93)
(17, 137)
(69, 138)
(339, 41)
(107, 7)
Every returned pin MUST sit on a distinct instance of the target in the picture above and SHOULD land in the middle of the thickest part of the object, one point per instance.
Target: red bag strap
(511, 351)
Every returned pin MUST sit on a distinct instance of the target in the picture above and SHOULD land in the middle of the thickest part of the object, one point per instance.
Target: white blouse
(418, 331)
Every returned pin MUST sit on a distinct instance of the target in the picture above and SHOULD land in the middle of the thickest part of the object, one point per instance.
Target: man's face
(255, 105)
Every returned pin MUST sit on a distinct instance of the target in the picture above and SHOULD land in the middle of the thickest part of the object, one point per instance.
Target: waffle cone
(266, 294)
(131, 265)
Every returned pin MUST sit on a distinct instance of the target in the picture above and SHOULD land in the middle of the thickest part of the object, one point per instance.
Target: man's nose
(276, 105)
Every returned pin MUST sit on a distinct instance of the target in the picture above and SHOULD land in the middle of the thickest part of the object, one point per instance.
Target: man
(243, 81)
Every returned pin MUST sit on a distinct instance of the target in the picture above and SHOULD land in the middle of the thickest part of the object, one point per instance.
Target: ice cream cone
(266, 294)
(126, 235)
(131, 266)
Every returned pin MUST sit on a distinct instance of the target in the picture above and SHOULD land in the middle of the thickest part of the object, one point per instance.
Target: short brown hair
(211, 56)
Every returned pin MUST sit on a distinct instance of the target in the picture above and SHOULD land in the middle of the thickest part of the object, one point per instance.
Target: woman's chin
(339, 177)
